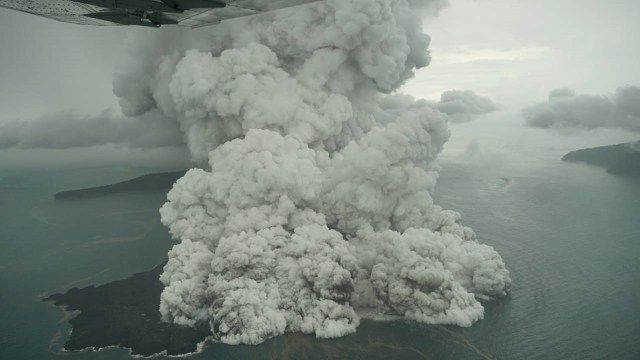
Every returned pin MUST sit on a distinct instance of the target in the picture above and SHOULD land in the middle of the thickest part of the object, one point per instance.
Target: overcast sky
(47, 66)
(516, 51)
(513, 51)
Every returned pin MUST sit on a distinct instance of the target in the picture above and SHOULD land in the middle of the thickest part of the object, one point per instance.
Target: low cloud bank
(146, 127)
(567, 110)
(69, 130)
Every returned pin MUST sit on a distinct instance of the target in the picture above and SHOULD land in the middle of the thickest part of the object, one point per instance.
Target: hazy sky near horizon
(516, 51)
(512, 51)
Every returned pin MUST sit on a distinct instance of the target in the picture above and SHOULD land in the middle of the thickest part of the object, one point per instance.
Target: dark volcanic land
(125, 313)
(150, 182)
(620, 159)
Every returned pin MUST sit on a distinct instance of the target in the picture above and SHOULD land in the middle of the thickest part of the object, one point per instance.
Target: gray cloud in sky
(65, 130)
(464, 105)
(567, 110)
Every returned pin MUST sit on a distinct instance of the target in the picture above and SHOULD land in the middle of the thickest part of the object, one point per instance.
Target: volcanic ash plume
(314, 204)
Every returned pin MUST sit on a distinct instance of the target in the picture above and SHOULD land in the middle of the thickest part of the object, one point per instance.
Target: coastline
(123, 314)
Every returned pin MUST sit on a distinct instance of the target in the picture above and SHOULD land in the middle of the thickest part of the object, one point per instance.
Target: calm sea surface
(570, 235)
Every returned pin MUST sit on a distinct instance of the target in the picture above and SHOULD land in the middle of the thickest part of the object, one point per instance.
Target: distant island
(620, 159)
(125, 313)
(151, 182)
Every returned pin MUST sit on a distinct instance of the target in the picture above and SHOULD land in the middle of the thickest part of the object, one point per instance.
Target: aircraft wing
(191, 13)
(235, 9)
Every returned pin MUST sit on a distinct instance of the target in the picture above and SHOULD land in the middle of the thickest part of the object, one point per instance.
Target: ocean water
(570, 235)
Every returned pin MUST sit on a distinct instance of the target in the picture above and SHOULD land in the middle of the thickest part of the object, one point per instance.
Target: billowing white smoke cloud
(567, 110)
(314, 204)
(464, 105)
(69, 130)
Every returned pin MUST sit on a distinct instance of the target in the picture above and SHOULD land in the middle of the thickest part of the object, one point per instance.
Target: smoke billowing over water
(312, 206)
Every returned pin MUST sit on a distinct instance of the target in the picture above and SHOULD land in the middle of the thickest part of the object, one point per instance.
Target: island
(151, 182)
(124, 313)
(620, 159)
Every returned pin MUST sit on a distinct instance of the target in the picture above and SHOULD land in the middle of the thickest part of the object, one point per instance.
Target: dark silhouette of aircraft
(153, 13)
